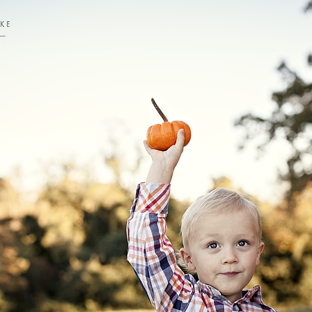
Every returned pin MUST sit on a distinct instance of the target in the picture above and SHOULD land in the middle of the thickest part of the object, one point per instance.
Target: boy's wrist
(160, 173)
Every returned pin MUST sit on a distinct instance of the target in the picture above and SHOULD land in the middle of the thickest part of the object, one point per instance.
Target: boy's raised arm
(164, 162)
(149, 250)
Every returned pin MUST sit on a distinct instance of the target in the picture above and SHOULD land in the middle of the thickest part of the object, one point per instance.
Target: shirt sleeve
(150, 252)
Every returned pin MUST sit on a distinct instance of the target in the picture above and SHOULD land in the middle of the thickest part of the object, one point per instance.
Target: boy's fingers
(179, 143)
(180, 138)
(147, 148)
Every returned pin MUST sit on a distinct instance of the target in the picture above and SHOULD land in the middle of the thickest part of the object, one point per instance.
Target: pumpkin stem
(159, 111)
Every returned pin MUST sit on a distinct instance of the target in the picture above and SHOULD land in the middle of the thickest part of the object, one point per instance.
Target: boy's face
(224, 250)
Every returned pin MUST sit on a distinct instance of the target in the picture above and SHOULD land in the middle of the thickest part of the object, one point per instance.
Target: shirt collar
(250, 295)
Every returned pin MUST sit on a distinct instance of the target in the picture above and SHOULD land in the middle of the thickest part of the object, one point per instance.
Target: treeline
(69, 252)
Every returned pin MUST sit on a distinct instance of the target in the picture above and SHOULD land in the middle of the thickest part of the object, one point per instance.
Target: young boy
(221, 235)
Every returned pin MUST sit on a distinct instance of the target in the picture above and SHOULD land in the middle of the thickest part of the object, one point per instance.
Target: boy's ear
(187, 259)
(260, 250)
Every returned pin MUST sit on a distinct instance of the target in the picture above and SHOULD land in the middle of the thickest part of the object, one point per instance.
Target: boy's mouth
(230, 274)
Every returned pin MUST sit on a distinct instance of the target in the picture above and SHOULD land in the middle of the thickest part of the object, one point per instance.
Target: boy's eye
(242, 243)
(213, 245)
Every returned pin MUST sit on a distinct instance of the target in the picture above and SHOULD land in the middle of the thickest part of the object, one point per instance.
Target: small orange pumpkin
(162, 136)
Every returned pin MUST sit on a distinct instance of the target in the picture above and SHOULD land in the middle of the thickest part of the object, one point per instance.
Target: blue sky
(76, 74)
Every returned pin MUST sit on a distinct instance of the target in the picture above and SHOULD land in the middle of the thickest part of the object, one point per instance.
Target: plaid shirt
(152, 256)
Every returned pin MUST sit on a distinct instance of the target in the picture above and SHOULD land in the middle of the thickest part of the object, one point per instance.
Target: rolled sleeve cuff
(151, 198)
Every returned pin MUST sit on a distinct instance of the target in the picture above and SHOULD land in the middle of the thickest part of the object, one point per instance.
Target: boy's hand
(164, 162)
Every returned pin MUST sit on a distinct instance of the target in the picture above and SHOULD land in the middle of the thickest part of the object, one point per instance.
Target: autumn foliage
(67, 250)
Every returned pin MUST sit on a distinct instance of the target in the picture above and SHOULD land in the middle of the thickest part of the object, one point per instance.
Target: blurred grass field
(301, 309)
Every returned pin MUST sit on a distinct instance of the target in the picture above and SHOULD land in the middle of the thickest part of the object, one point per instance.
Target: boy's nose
(229, 256)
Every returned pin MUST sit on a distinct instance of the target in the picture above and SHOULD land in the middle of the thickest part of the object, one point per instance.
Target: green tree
(308, 6)
(291, 120)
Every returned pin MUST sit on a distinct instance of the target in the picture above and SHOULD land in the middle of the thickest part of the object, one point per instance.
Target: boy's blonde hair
(220, 200)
